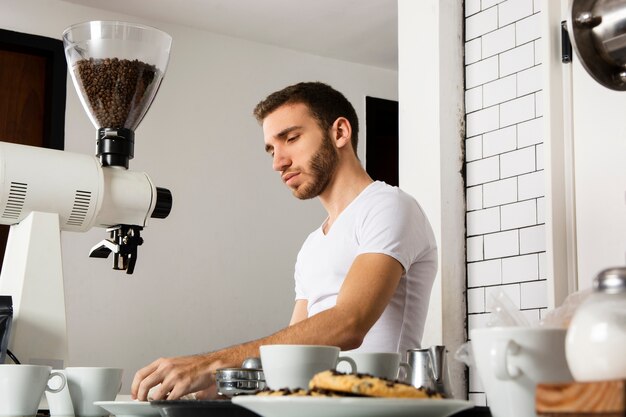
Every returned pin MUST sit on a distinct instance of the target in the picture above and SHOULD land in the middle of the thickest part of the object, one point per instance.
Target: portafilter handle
(123, 243)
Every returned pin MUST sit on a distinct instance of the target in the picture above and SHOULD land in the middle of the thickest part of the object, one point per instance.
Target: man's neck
(347, 183)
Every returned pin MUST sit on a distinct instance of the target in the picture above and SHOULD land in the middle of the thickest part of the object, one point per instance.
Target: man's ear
(342, 132)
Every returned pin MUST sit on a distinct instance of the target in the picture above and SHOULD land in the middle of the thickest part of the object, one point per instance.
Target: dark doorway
(381, 142)
(33, 77)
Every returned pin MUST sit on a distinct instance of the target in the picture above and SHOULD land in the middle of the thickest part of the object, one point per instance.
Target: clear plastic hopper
(117, 68)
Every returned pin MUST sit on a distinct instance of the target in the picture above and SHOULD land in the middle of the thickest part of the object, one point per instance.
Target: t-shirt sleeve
(298, 287)
(396, 227)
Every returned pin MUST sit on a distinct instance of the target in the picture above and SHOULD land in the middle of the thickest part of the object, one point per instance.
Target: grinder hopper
(117, 68)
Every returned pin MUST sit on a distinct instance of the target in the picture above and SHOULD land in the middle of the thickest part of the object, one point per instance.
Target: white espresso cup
(59, 400)
(511, 361)
(380, 364)
(293, 366)
(92, 383)
(21, 388)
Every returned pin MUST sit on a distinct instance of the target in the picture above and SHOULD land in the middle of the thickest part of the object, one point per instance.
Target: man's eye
(292, 138)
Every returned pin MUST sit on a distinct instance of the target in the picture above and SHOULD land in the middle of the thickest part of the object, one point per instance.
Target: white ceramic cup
(293, 366)
(21, 388)
(511, 361)
(381, 364)
(92, 383)
(59, 401)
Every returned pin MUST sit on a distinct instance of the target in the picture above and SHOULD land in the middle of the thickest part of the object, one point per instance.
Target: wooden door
(33, 86)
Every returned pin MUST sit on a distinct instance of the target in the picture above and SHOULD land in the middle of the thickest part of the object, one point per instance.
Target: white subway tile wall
(498, 41)
(474, 148)
(475, 248)
(474, 198)
(483, 170)
(505, 194)
(500, 192)
(474, 99)
(500, 141)
(481, 72)
(472, 7)
(499, 91)
(473, 51)
(541, 209)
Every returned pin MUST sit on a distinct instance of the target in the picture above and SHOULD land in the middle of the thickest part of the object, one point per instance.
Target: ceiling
(360, 31)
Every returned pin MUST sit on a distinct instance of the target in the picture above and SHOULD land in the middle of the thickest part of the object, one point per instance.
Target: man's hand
(177, 377)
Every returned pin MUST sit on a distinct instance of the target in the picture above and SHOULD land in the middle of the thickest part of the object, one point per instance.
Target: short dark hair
(325, 104)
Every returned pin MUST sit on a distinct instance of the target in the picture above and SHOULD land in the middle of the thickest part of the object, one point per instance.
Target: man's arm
(365, 293)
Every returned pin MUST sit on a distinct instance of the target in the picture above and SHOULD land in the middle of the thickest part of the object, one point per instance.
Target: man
(363, 279)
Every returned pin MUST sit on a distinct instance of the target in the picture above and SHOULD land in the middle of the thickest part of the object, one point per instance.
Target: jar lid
(611, 281)
(239, 374)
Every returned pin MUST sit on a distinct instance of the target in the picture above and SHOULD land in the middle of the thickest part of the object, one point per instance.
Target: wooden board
(581, 399)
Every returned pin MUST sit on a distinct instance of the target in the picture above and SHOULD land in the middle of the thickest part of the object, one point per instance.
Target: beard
(322, 167)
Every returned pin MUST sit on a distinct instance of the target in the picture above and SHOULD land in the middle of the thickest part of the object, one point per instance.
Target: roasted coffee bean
(118, 91)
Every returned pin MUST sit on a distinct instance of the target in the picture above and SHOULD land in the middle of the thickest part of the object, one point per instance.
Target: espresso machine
(117, 69)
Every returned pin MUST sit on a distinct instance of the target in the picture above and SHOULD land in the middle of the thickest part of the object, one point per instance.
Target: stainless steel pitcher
(430, 369)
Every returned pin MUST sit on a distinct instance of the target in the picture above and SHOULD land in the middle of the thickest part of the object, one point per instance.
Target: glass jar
(595, 345)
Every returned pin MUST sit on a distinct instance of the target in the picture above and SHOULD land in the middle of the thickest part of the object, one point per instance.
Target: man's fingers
(156, 381)
(176, 376)
(139, 376)
(149, 377)
(179, 385)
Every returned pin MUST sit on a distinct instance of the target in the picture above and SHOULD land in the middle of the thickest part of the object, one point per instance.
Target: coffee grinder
(116, 68)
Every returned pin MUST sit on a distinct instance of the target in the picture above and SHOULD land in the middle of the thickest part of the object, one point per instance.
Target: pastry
(366, 385)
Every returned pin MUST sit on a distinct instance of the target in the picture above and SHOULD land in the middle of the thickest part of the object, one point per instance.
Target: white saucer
(349, 406)
(129, 408)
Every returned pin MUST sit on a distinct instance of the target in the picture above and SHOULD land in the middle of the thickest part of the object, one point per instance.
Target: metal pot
(249, 379)
(430, 369)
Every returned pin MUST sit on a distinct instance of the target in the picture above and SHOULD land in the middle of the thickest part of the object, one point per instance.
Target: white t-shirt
(382, 219)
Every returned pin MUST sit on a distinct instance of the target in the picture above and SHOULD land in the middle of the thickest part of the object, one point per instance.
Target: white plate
(349, 407)
(129, 408)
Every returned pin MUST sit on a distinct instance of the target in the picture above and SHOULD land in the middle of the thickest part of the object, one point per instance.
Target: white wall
(219, 269)
(600, 175)
(431, 162)
(506, 243)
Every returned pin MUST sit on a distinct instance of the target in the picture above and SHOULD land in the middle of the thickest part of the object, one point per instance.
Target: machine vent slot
(82, 201)
(15, 201)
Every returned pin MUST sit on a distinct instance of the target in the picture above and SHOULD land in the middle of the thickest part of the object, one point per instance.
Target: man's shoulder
(385, 195)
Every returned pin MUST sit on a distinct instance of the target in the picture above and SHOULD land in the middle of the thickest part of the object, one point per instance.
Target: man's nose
(281, 161)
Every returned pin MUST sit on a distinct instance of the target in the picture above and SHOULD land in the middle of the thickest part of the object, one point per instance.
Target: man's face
(304, 155)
